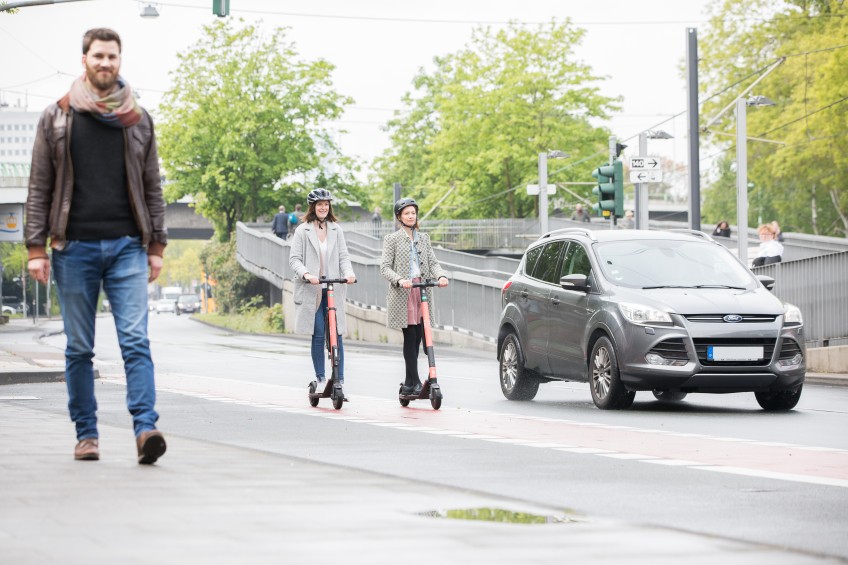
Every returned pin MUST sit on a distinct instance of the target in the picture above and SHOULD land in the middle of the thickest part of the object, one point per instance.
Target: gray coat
(395, 266)
(305, 258)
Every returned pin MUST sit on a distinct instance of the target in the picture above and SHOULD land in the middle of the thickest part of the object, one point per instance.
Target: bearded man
(95, 201)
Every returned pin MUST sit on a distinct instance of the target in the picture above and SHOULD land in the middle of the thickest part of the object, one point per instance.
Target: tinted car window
(575, 261)
(668, 262)
(546, 267)
(531, 258)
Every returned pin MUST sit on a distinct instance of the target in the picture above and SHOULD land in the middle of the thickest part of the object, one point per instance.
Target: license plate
(717, 353)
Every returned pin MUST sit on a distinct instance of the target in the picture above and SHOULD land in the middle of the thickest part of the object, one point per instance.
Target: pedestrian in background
(95, 192)
(580, 215)
(778, 235)
(627, 222)
(408, 257)
(770, 251)
(376, 221)
(722, 229)
(280, 225)
(318, 250)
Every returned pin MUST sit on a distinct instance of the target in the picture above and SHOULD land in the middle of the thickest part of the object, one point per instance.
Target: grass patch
(255, 320)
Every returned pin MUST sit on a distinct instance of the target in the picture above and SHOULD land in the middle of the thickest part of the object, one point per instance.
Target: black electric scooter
(430, 389)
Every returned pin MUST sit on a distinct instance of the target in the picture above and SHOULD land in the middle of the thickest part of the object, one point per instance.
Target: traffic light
(221, 8)
(610, 189)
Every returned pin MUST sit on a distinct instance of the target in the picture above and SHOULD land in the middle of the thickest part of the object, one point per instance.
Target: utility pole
(642, 189)
(543, 193)
(613, 153)
(742, 180)
(694, 131)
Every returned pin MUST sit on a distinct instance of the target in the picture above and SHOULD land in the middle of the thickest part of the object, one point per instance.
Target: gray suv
(671, 312)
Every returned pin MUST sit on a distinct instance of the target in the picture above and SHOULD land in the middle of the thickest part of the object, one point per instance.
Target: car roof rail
(582, 231)
(697, 233)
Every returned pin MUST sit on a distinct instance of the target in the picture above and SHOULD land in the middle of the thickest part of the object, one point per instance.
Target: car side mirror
(766, 281)
(575, 282)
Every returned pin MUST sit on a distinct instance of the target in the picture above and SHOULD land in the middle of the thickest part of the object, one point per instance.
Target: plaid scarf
(119, 109)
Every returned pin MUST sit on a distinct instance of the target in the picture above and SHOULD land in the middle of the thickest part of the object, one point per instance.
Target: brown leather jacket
(51, 182)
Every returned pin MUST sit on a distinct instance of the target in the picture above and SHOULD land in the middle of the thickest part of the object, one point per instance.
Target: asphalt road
(713, 464)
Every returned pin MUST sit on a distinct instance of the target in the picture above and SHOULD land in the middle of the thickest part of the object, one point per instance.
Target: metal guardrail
(471, 303)
(817, 285)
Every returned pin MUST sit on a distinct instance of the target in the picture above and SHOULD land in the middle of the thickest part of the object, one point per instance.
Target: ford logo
(732, 318)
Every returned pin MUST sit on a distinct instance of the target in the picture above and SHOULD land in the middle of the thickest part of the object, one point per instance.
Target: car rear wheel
(779, 401)
(516, 382)
(608, 392)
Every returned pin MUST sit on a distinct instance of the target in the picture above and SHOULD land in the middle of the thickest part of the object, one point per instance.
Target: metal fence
(817, 285)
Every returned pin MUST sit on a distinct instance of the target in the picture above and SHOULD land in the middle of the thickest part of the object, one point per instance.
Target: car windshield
(669, 263)
(188, 299)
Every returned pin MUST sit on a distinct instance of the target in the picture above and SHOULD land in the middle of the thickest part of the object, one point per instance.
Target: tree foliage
(242, 129)
(474, 127)
(801, 183)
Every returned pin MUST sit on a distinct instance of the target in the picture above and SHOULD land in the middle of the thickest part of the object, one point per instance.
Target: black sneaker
(411, 390)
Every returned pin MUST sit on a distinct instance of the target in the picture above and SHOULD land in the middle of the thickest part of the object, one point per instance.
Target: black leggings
(412, 336)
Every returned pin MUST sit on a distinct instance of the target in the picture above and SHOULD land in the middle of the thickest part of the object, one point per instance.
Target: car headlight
(792, 315)
(641, 314)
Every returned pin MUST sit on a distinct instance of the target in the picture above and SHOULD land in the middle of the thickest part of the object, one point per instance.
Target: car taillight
(506, 286)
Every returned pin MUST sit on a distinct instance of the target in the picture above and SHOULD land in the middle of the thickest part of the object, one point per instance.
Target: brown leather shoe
(151, 446)
(87, 450)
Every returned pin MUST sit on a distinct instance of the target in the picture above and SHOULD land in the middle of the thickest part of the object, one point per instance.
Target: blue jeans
(120, 266)
(319, 349)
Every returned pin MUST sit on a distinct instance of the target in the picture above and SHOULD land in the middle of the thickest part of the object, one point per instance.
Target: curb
(826, 379)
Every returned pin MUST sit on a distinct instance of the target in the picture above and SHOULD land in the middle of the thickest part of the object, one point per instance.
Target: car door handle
(524, 294)
(555, 301)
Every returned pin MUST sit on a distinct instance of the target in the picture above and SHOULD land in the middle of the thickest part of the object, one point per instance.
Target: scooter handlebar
(324, 280)
(425, 283)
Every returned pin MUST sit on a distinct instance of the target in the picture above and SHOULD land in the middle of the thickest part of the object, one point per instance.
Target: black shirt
(100, 204)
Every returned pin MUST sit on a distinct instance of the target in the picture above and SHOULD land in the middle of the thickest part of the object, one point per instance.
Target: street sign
(645, 176)
(645, 169)
(533, 189)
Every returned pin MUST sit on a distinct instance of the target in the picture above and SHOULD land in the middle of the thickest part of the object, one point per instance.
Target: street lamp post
(543, 186)
(742, 171)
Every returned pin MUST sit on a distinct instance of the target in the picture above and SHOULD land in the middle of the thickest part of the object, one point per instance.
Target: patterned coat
(395, 266)
(305, 258)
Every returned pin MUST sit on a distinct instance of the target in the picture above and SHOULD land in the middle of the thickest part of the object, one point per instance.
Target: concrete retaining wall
(828, 359)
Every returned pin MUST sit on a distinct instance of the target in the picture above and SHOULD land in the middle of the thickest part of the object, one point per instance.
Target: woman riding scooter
(407, 258)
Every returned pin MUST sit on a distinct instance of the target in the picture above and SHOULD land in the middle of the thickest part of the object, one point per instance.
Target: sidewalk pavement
(211, 502)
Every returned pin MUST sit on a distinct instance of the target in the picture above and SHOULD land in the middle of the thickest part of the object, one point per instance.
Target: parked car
(8, 310)
(671, 312)
(188, 304)
(166, 305)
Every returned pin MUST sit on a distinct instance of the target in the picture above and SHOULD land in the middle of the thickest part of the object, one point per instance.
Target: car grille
(789, 349)
(719, 318)
(702, 343)
(671, 349)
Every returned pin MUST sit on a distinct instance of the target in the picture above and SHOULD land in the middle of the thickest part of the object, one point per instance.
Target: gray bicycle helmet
(403, 203)
(319, 194)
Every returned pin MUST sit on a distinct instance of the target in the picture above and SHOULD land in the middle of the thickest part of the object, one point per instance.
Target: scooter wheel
(436, 400)
(338, 400)
(313, 386)
(403, 401)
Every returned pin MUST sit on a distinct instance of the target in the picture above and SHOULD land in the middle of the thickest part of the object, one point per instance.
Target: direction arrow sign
(646, 163)
(638, 175)
(533, 189)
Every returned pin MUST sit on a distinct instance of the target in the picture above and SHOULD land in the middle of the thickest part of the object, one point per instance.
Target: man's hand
(39, 269)
(311, 279)
(155, 264)
(351, 279)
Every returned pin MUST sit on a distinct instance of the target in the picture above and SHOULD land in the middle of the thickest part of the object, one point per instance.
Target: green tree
(801, 183)
(242, 129)
(476, 124)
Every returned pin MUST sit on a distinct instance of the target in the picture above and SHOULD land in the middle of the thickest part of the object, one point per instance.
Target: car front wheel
(608, 392)
(516, 382)
(779, 401)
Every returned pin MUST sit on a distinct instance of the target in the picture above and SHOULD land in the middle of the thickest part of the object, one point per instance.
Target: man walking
(280, 225)
(95, 193)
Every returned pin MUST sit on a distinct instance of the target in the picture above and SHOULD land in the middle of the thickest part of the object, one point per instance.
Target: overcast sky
(377, 47)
